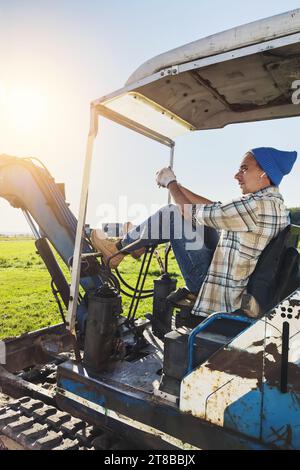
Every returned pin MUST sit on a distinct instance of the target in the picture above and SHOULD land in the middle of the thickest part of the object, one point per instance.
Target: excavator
(105, 379)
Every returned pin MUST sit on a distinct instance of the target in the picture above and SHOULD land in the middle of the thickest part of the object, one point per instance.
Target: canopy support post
(168, 245)
(76, 267)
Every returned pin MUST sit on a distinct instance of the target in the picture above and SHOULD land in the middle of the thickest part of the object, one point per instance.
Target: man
(235, 233)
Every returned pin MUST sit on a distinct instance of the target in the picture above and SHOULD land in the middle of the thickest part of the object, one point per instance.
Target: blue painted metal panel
(81, 390)
(281, 418)
(141, 407)
(244, 415)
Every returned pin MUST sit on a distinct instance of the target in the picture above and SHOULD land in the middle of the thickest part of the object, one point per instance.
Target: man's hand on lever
(183, 197)
(165, 176)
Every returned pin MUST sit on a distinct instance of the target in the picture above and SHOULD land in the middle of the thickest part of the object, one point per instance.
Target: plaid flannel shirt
(247, 225)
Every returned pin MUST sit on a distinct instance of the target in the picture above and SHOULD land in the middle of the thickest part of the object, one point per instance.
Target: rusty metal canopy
(240, 75)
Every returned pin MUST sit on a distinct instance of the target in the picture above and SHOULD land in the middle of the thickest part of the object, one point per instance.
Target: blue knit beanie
(275, 163)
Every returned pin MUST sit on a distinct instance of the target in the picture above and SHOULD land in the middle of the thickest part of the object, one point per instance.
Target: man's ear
(268, 180)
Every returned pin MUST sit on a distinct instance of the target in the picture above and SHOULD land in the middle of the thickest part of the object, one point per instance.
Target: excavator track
(30, 424)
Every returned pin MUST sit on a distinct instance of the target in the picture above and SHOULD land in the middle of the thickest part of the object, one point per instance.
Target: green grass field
(26, 299)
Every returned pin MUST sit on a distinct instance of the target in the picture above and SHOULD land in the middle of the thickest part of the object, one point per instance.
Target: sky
(59, 55)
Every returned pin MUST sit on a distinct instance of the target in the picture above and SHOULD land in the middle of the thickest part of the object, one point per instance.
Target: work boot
(109, 248)
(106, 247)
(136, 254)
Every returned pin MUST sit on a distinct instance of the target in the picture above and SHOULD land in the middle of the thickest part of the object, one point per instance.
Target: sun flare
(22, 106)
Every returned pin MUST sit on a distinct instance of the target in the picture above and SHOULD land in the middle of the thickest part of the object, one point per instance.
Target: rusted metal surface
(224, 379)
(240, 386)
(100, 400)
(281, 411)
(37, 347)
(16, 387)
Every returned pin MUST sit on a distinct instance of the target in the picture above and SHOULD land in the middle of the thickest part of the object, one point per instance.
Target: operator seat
(276, 275)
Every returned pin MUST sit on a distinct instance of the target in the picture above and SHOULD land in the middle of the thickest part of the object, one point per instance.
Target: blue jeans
(193, 246)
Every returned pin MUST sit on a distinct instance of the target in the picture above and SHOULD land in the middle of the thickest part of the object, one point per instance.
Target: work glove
(165, 176)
